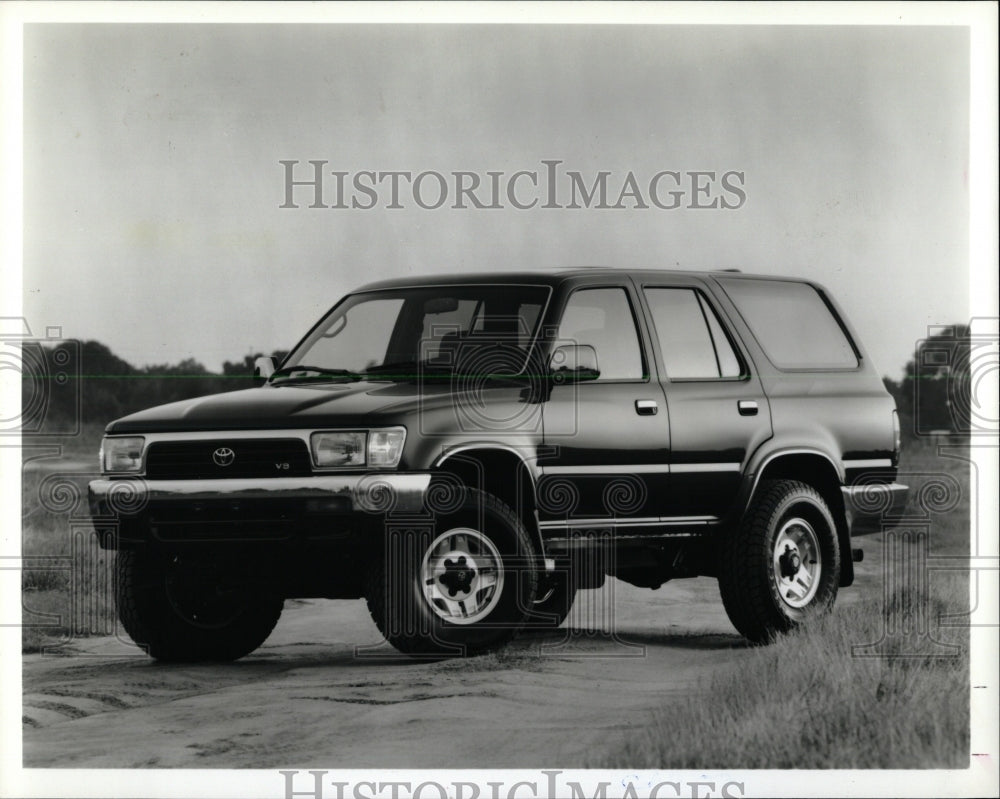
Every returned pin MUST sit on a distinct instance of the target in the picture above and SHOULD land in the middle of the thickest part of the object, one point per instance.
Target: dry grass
(66, 582)
(810, 701)
(814, 700)
(939, 492)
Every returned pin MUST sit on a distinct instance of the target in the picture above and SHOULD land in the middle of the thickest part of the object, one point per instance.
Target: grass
(66, 583)
(809, 701)
(812, 701)
(939, 493)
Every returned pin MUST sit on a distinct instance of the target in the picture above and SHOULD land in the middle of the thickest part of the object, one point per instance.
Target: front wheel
(182, 607)
(782, 564)
(461, 586)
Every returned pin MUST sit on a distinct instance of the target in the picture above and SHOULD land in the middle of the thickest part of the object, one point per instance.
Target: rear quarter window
(792, 323)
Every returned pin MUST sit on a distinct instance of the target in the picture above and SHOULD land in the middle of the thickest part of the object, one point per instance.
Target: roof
(545, 277)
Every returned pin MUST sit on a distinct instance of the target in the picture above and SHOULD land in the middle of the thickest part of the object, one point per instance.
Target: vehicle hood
(302, 406)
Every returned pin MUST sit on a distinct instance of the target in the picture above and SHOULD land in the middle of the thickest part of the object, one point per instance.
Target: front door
(606, 441)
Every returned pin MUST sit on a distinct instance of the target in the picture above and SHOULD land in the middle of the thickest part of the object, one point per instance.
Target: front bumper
(875, 506)
(133, 507)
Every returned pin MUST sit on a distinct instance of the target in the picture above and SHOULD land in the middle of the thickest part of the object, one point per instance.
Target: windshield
(402, 333)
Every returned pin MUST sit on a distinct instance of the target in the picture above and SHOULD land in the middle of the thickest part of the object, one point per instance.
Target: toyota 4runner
(467, 451)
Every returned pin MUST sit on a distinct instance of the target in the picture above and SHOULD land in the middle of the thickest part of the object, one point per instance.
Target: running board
(668, 524)
(576, 533)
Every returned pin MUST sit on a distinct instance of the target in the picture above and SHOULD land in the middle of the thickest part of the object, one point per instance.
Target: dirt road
(321, 692)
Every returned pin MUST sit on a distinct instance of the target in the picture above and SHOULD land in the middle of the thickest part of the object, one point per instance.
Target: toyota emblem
(223, 456)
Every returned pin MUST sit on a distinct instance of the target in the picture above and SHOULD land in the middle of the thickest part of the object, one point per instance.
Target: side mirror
(263, 368)
(572, 363)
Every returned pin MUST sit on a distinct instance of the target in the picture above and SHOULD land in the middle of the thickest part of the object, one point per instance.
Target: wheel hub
(459, 574)
(797, 562)
(462, 575)
(789, 562)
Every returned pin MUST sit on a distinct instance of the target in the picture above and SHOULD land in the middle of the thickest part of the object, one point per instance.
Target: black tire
(477, 560)
(782, 564)
(185, 608)
(554, 602)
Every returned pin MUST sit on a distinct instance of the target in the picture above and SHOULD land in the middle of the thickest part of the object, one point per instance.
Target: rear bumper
(133, 510)
(876, 506)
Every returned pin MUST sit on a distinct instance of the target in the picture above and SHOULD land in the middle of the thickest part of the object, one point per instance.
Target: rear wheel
(463, 587)
(193, 607)
(782, 564)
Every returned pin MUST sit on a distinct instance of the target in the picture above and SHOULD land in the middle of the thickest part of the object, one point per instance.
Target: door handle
(646, 407)
(747, 407)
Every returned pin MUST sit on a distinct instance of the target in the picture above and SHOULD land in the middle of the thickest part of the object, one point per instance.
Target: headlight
(338, 449)
(122, 454)
(380, 449)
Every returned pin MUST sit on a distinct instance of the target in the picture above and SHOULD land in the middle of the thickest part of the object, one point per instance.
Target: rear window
(792, 323)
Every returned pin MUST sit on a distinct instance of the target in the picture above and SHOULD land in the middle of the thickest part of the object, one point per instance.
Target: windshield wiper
(407, 370)
(311, 374)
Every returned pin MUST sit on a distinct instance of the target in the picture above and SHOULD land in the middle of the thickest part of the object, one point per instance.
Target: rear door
(717, 408)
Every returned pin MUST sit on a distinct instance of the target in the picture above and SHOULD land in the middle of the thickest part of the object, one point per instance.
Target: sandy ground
(325, 690)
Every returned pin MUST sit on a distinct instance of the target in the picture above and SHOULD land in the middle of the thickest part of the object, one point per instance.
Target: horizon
(216, 369)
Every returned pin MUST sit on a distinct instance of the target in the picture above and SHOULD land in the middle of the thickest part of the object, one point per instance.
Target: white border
(979, 779)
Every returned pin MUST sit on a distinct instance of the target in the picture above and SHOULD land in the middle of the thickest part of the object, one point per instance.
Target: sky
(153, 185)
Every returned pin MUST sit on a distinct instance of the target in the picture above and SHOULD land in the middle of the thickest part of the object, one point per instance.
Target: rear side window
(793, 324)
(692, 342)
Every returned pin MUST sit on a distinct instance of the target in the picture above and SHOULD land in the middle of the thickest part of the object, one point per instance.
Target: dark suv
(468, 451)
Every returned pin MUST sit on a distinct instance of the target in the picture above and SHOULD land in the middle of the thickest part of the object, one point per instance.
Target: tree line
(86, 380)
(935, 393)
